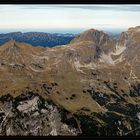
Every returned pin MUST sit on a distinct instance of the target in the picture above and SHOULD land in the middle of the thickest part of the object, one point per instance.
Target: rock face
(130, 37)
(97, 38)
(32, 115)
(90, 87)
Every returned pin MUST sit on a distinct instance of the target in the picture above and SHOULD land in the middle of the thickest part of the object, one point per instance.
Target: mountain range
(88, 87)
(37, 38)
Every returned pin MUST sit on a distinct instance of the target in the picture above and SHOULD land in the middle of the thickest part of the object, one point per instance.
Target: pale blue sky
(68, 17)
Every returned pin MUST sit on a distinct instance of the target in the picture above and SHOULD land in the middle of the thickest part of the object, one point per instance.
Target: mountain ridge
(90, 84)
(37, 38)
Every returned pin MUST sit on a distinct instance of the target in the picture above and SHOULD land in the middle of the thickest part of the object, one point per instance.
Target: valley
(82, 88)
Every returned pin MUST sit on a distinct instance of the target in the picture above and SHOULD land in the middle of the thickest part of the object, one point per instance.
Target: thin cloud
(131, 8)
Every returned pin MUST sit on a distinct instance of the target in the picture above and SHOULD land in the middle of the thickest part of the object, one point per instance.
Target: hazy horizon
(68, 18)
(61, 31)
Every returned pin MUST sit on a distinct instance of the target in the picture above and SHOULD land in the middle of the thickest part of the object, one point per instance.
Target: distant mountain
(37, 38)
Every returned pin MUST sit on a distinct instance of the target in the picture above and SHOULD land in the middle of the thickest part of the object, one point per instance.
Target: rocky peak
(134, 29)
(14, 45)
(96, 39)
(131, 37)
(92, 35)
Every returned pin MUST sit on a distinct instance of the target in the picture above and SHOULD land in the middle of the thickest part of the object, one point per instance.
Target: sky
(68, 18)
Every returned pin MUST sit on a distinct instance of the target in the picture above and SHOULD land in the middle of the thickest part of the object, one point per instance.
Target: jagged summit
(131, 37)
(91, 31)
(99, 38)
(89, 35)
(134, 29)
(15, 45)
